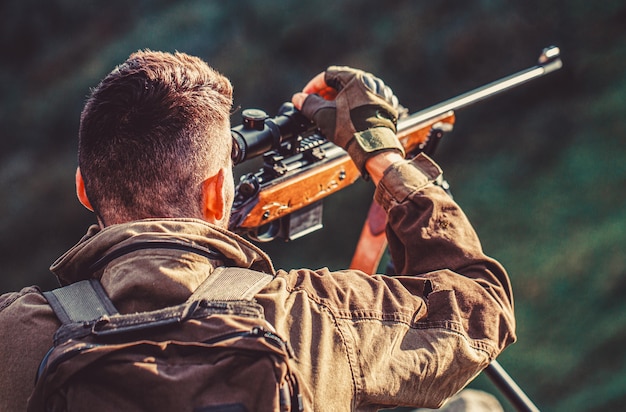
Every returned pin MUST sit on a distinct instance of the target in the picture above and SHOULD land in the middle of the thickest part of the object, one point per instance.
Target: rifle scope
(259, 133)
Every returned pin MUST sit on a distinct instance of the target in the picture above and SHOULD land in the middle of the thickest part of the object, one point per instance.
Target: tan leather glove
(361, 119)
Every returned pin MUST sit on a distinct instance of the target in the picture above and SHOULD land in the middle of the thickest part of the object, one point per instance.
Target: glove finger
(313, 103)
(383, 90)
(379, 87)
(394, 102)
(370, 82)
(388, 95)
(338, 77)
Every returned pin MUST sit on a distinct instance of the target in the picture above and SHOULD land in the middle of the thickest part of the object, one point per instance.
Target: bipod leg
(509, 388)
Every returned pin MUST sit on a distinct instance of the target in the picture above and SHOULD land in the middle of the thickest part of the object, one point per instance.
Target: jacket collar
(134, 264)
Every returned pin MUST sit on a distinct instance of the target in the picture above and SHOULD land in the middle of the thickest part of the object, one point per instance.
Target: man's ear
(80, 190)
(213, 197)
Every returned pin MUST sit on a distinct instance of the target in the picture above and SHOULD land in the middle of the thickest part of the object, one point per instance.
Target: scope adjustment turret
(254, 119)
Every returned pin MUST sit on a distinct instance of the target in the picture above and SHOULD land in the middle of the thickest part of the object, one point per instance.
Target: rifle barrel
(548, 62)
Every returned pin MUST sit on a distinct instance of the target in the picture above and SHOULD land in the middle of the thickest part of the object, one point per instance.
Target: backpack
(213, 353)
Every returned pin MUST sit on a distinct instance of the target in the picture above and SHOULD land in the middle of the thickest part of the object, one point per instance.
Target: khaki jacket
(361, 342)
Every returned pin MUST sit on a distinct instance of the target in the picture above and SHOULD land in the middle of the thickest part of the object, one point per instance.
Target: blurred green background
(540, 170)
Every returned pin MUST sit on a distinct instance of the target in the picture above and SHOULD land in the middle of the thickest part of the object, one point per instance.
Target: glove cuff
(402, 179)
(371, 142)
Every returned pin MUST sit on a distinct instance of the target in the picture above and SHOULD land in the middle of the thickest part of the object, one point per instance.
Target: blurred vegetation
(541, 170)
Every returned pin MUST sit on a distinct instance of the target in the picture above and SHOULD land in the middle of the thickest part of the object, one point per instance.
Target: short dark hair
(150, 133)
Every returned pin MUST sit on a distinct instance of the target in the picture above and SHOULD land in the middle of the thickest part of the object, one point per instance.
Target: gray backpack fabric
(215, 352)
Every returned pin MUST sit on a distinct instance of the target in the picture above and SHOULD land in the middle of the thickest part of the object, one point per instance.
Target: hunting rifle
(301, 167)
(283, 199)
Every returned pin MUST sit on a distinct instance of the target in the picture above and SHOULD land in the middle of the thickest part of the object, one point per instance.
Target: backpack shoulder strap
(87, 300)
(231, 283)
(81, 301)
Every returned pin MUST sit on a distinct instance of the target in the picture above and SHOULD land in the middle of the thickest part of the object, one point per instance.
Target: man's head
(154, 141)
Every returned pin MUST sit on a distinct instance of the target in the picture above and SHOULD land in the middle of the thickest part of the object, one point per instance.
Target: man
(154, 164)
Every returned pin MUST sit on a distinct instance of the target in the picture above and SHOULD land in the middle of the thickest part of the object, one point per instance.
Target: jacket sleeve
(469, 303)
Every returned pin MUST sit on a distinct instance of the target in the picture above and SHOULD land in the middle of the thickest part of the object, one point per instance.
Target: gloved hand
(354, 110)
